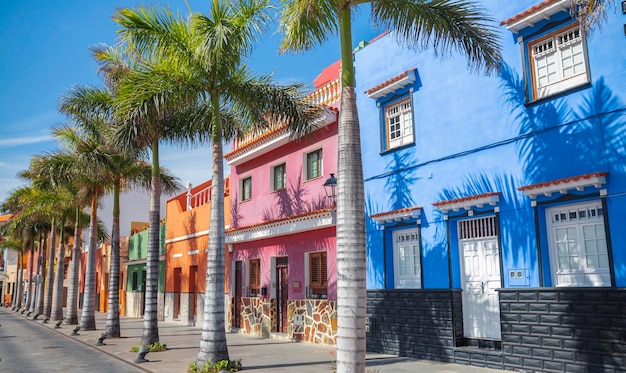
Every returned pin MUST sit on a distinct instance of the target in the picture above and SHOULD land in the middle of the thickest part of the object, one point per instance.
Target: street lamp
(329, 187)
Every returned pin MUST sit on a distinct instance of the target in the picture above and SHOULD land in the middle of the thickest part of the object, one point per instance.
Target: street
(26, 347)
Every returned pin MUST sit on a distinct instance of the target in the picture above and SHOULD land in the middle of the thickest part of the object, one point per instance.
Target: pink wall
(265, 205)
(295, 246)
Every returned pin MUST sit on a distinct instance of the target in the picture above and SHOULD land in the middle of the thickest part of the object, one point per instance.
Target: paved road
(27, 347)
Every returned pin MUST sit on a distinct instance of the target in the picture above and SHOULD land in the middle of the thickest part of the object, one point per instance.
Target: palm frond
(444, 25)
(307, 23)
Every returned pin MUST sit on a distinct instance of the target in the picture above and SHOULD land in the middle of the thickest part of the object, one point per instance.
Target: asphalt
(256, 354)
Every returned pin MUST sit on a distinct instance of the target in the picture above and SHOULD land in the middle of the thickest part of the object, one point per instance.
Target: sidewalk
(256, 354)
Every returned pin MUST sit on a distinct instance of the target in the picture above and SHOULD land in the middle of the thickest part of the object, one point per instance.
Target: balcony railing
(199, 198)
(325, 95)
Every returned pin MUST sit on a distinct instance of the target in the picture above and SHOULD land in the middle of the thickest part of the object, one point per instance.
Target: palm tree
(125, 170)
(27, 221)
(199, 74)
(591, 14)
(60, 201)
(445, 25)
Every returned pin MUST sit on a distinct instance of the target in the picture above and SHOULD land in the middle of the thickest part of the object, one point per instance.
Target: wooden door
(282, 294)
(238, 292)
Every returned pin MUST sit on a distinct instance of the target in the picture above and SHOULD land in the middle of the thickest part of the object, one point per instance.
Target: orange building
(186, 241)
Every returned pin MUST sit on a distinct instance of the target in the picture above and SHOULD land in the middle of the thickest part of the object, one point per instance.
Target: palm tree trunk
(88, 316)
(41, 270)
(17, 302)
(113, 316)
(351, 286)
(150, 323)
(50, 271)
(213, 345)
(71, 316)
(56, 312)
(30, 298)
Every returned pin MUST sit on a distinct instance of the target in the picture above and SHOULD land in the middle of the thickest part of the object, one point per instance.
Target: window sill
(388, 151)
(559, 94)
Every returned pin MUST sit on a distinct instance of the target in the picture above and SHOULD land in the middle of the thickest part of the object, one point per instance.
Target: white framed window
(399, 124)
(245, 188)
(407, 259)
(558, 62)
(577, 245)
(279, 177)
(313, 162)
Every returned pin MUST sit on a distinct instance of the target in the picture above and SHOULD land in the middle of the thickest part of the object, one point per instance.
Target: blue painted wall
(476, 134)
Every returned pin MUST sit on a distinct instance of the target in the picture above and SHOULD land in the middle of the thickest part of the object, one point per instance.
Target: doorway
(282, 293)
(238, 285)
(177, 289)
(193, 278)
(480, 277)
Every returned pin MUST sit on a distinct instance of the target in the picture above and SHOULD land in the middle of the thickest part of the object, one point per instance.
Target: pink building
(282, 232)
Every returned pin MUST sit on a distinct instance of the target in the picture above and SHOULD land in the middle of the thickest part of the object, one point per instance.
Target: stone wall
(258, 316)
(313, 320)
(309, 320)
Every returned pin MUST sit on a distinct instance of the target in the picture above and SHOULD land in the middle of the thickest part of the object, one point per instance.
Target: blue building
(496, 203)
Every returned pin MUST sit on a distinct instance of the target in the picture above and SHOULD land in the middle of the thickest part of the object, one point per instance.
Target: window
(577, 244)
(279, 177)
(399, 124)
(318, 274)
(255, 278)
(314, 164)
(407, 259)
(558, 62)
(246, 188)
(135, 282)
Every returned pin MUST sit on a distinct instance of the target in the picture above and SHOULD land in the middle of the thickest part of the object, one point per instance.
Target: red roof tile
(529, 11)
(562, 181)
(389, 82)
(464, 199)
(395, 212)
(262, 138)
(300, 217)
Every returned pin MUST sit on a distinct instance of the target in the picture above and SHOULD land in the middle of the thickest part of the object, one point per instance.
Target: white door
(480, 277)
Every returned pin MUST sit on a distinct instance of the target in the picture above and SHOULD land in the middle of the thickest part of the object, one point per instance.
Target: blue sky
(45, 51)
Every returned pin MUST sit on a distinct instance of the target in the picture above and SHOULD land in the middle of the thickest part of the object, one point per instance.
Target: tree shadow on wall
(518, 233)
(399, 183)
(235, 215)
(374, 246)
(557, 141)
(292, 201)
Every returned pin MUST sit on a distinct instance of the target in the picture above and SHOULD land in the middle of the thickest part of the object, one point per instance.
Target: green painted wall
(136, 284)
(138, 249)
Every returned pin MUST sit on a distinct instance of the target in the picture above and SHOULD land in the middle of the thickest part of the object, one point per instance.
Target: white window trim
(241, 180)
(405, 138)
(305, 164)
(562, 83)
(406, 281)
(272, 171)
(583, 276)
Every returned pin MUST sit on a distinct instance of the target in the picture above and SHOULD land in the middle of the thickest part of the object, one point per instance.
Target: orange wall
(180, 224)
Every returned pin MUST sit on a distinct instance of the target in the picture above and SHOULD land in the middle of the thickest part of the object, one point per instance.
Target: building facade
(186, 242)
(494, 203)
(282, 233)
(135, 283)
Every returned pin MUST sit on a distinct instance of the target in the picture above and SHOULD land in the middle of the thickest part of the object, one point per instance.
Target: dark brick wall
(422, 324)
(564, 329)
(543, 330)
